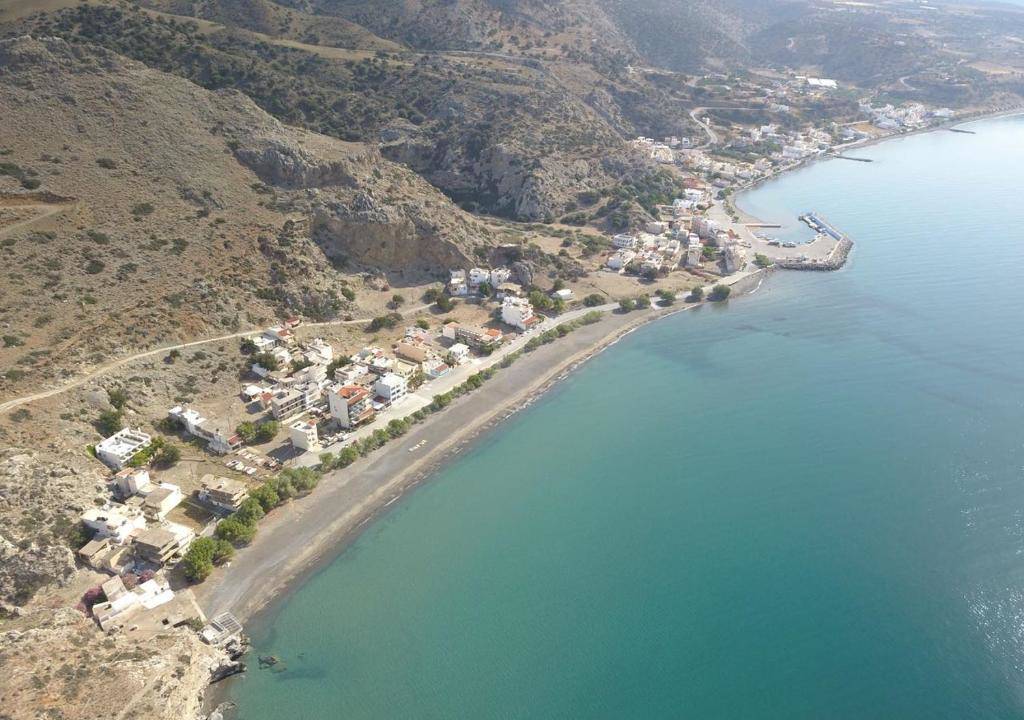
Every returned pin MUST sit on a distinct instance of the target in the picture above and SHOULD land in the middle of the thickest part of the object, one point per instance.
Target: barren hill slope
(137, 208)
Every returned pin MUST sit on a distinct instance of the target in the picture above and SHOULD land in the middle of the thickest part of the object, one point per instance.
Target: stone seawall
(835, 260)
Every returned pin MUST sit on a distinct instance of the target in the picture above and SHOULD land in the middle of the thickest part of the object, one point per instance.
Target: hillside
(141, 209)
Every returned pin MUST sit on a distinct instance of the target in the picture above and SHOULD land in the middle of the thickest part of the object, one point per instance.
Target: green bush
(720, 292)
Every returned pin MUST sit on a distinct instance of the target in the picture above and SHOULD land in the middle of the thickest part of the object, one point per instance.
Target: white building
(122, 446)
(518, 312)
(304, 435)
(457, 284)
(319, 352)
(391, 388)
(116, 522)
(350, 405)
(131, 481)
(458, 353)
(500, 275)
(563, 294)
(656, 227)
(160, 500)
(619, 260)
(218, 441)
(624, 241)
(477, 276)
(122, 604)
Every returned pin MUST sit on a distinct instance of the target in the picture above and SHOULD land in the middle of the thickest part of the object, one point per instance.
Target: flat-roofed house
(391, 388)
(160, 500)
(116, 522)
(222, 492)
(351, 405)
(118, 449)
(159, 544)
(131, 481)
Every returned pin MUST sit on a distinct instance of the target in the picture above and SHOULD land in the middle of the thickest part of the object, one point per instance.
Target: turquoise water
(806, 504)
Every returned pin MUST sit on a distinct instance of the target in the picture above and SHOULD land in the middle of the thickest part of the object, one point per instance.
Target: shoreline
(281, 559)
(747, 219)
(272, 581)
(340, 533)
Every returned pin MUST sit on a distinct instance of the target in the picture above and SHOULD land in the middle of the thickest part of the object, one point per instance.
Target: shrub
(696, 294)
(720, 292)
(264, 359)
(118, 397)
(666, 296)
(109, 422)
(141, 209)
(593, 300)
(258, 432)
(106, 163)
(627, 304)
(94, 266)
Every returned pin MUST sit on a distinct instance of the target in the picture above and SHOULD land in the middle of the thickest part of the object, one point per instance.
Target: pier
(964, 132)
(847, 157)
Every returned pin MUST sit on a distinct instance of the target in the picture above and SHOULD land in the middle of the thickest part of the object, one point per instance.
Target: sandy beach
(298, 538)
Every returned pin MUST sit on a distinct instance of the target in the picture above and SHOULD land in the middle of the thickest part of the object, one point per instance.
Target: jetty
(839, 156)
(962, 131)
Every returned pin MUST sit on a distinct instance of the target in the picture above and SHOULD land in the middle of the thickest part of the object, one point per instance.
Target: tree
(445, 303)
(643, 301)
(593, 300)
(167, 456)
(485, 289)
(666, 296)
(264, 360)
(539, 300)
(249, 512)
(247, 346)
(696, 294)
(198, 560)
(422, 324)
(222, 551)
(762, 261)
(720, 292)
(252, 432)
(397, 300)
(303, 480)
(266, 430)
(627, 304)
(266, 496)
(235, 531)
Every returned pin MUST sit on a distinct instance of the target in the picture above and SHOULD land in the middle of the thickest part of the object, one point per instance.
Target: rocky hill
(142, 208)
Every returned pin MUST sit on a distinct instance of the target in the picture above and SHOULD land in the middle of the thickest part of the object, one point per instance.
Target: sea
(805, 502)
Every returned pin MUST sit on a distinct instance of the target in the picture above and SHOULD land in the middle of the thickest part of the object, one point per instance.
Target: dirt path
(44, 210)
(120, 362)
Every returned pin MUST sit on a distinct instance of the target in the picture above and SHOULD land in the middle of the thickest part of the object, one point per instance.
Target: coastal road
(97, 372)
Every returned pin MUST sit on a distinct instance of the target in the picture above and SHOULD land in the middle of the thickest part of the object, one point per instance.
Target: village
(305, 402)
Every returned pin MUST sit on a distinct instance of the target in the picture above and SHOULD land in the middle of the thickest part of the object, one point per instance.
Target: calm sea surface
(808, 503)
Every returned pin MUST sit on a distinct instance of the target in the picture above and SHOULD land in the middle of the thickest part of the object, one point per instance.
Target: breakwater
(833, 261)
